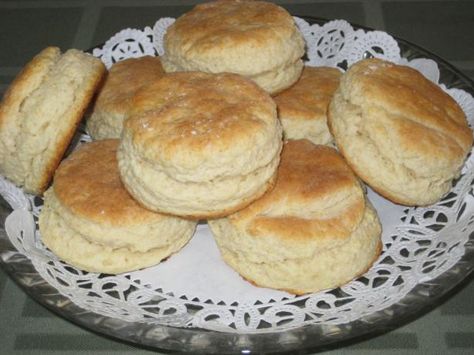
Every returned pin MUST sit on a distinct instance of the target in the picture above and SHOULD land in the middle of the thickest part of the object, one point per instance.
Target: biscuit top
(309, 98)
(415, 111)
(88, 184)
(212, 121)
(124, 79)
(225, 35)
(316, 196)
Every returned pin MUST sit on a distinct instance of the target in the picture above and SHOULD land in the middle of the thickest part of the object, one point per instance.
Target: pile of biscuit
(228, 126)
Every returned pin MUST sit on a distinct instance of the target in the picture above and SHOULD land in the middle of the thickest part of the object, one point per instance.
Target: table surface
(446, 28)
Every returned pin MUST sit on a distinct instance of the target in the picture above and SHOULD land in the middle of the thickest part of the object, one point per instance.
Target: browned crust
(424, 113)
(425, 120)
(217, 27)
(124, 79)
(211, 113)
(308, 174)
(88, 184)
(308, 99)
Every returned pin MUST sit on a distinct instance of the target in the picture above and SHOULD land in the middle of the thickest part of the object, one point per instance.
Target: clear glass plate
(418, 301)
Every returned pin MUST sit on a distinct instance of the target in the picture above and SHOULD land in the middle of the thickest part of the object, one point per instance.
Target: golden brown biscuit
(401, 133)
(314, 230)
(113, 102)
(40, 112)
(199, 144)
(255, 39)
(90, 221)
(302, 108)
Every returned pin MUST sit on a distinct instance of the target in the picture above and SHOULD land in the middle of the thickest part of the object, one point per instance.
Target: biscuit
(314, 230)
(112, 105)
(90, 221)
(200, 145)
(256, 39)
(402, 134)
(40, 112)
(302, 108)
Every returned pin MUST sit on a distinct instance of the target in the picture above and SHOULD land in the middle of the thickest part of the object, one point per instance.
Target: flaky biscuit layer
(313, 230)
(401, 133)
(302, 108)
(40, 112)
(112, 106)
(89, 209)
(200, 144)
(255, 39)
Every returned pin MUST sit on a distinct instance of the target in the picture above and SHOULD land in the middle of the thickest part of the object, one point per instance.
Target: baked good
(40, 112)
(401, 133)
(255, 39)
(200, 145)
(90, 221)
(314, 230)
(302, 108)
(112, 105)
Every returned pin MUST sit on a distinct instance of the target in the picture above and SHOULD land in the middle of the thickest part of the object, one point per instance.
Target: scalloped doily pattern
(419, 243)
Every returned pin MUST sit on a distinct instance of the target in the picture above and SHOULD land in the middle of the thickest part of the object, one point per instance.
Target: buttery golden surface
(316, 196)
(125, 78)
(88, 184)
(427, 112)
(313, 230)
(200, 145)
(204, 125)
(252, 38)
(309, 98)
(113, 102)
(400, 132)
(302, 108)
(90, 221)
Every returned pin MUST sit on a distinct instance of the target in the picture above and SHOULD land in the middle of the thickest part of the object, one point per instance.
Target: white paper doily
(195, 288)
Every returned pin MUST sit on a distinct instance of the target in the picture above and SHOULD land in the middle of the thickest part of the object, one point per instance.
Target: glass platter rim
(417, 302)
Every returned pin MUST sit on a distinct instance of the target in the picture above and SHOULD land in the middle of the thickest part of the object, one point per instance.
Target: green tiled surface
(3, 278)
(401, 341)
(460, 340)
(38, 341)
(113, 19)
(469, 73)
(445, 27)
(26, 31)
(6, 79)
(462, 304)
(350, 11)
(32, 310)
